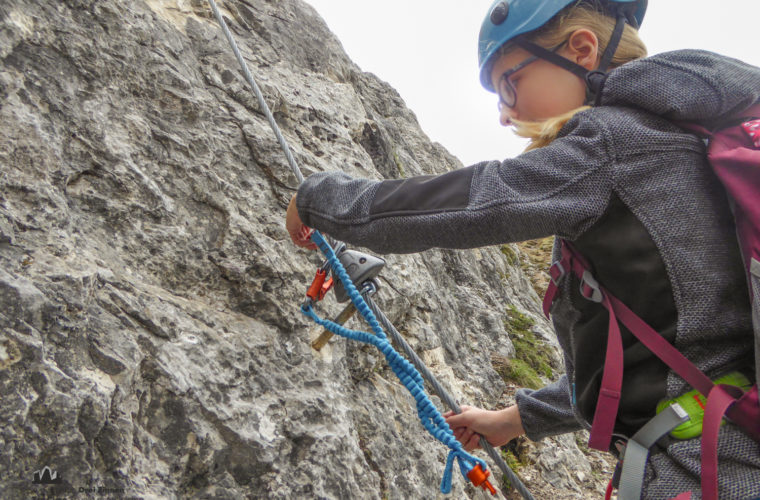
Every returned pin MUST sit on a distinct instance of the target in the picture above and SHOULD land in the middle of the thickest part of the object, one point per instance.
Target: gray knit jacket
(624, 157)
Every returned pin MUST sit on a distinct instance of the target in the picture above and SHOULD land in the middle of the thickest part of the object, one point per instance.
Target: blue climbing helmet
(506, 20)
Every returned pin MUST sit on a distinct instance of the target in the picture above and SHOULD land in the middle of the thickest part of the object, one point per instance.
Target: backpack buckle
(556, 272)
(590, 289)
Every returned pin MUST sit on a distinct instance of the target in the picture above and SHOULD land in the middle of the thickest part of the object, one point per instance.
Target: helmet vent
(499, 13)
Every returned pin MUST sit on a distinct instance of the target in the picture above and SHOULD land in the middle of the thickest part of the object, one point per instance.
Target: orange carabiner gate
(320, 286)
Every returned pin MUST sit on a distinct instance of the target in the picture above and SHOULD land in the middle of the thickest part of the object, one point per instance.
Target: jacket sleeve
(547, 411)
(685, 85)
(560, 189)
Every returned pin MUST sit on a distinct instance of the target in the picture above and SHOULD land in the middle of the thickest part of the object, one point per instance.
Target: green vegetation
(510, 254)
(532, 357)
(528, 348)
(514, 463)
(518, 372)
(399, 165)
(580, 440)
(518, 323)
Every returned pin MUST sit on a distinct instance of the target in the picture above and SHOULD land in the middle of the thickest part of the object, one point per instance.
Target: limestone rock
(150, 338)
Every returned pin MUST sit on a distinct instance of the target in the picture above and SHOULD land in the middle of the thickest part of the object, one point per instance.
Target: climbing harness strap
(612, 378)
(637, 450)
(430, 417)
(740, 407)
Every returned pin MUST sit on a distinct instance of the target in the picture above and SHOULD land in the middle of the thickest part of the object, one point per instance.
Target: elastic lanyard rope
(406, 372)
(463, 458)
(447, 398)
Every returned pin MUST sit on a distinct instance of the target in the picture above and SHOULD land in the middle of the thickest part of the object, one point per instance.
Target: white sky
(427, 50)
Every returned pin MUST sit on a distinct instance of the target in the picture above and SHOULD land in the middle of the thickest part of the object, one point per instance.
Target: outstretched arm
(560, 189)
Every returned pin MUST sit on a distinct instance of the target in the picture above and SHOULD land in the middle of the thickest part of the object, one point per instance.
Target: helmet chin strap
(595, 78)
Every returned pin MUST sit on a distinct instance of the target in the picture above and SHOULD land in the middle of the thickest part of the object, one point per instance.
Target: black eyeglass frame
(506, 85)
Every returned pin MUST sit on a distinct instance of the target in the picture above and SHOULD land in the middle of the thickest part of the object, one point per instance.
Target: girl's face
(543, 90)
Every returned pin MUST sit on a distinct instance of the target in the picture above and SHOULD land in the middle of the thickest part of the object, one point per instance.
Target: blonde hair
(581, 15)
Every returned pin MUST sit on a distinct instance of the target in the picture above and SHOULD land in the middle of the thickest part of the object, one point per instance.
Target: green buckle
(694, 404)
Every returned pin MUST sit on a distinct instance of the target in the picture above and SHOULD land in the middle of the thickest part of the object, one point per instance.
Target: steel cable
(416, 361)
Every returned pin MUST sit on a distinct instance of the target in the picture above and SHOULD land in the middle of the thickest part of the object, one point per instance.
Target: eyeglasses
(506, 89)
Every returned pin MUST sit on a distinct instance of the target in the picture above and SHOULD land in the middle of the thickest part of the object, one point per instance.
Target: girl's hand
(498, 427)
(299, 233)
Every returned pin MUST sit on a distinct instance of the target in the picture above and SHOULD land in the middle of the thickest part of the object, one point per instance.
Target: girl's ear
(583, 48)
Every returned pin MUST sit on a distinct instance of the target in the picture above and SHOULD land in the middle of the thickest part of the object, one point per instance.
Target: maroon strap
(746, 413)
(753, 112)
(720, 398)
(706, 132)
(697, 129)
(662, 348)
(556, 272)
(608, 493)
(551, 291)
(718, 403)
(612, 377)
(612, 384)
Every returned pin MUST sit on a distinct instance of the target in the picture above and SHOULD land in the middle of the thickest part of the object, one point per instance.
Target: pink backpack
(734, 153)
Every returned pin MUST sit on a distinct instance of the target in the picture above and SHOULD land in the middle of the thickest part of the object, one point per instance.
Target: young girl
(611, 171)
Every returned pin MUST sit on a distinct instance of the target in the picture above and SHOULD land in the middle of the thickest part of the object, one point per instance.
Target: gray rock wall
(150, 339)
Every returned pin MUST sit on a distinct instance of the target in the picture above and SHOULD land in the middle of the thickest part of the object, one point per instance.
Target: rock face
(150, 339)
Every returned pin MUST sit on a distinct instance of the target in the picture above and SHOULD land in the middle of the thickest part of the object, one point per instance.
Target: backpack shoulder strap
(706, 130)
